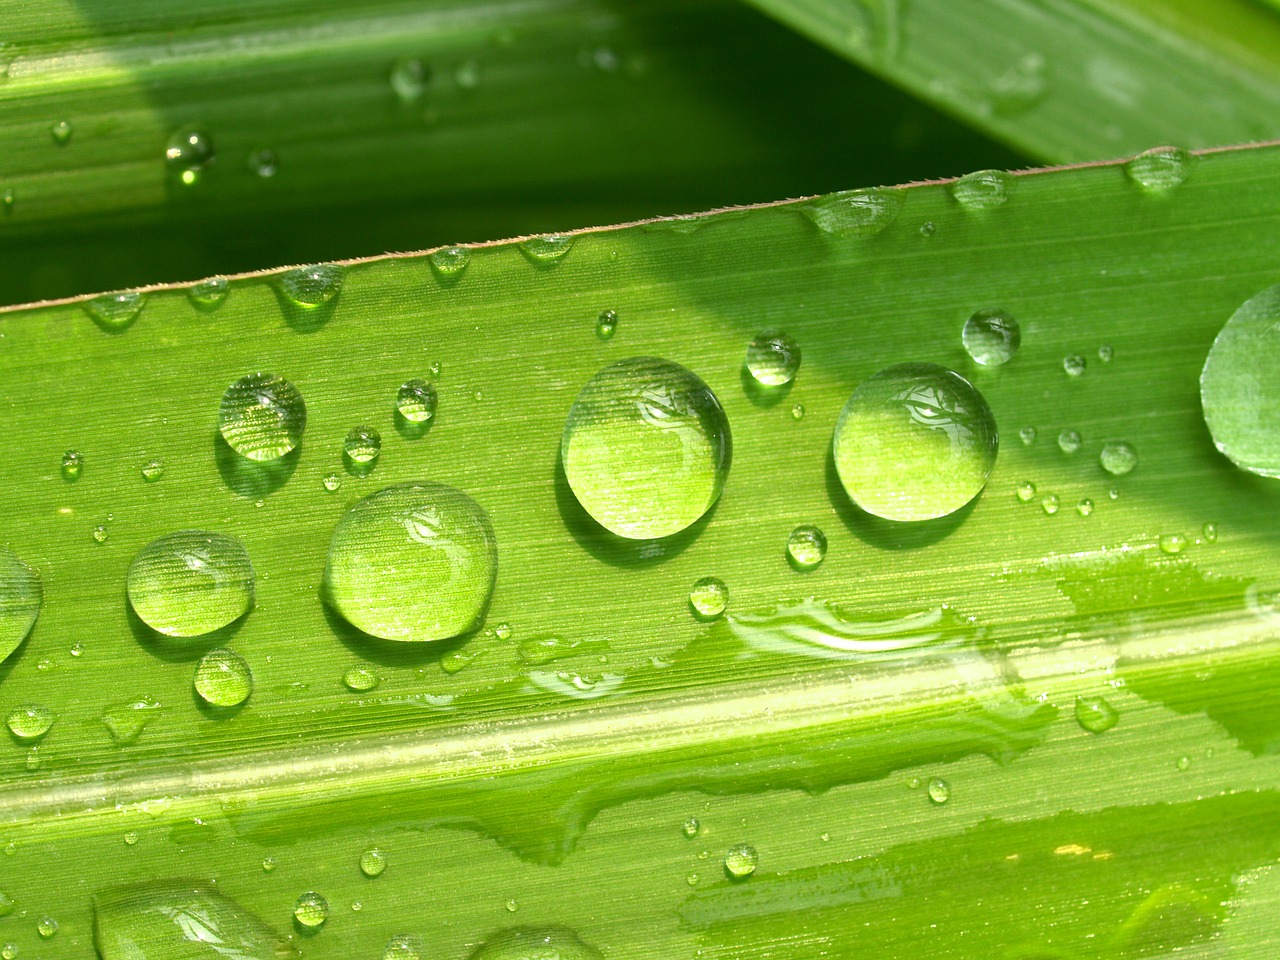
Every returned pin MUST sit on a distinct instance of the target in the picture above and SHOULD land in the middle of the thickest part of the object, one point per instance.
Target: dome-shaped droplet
(30, 721)
(362, 445)
(189, 151)
(536, 943)
(939, 790)
(223, 679)
(262, 416)
(1095, 714)
(1074, 364)
(332, 482)
(190, 583)
(1026, 491)
(450, 261)
(311, 910)
(359, 679)
(373, 862)
(264, 162)
(402, 948)
(606, 324)
(991, 337)
(61, 132)
(740, 861)
(312, 286)
(915, 442)
(806, 547)
(773, 358)
(208, 294)
(855, 213)
(1069, 441)
(646, 448)
(1118, 458)
(1159, 169)
(114, 312)
(47, 927)
(412, 562)
(708, 597)
(72, 465)
(416, 401)
(983, 189)
(20, 597)
(153, 470)
(547, 249)
(409, 78)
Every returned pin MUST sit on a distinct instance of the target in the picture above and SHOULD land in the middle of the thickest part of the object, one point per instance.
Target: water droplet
(264, 162)
(262, 416)
(372, 862)
(983, 189)
(153, 470)
(100, 533)
(1118, 458)
(7, 905)
(47, 927)
(1211, 532)
(29, 722)
(360, 679)
(311, 910)
(1050, 504)
(806, 547)
(1172, 543)
(927, 229)
(646, 448)
(312, 286)
(1095, 715)
(1020, 86)
(61, 132)
(1159, 169)
(502, 631)
(409, 78)
(449, 262)
(126, 721)
(72, 465)
(547, 249)
(402, 948)
(1084, 507)
(606, 324)
(434, 368)
(740, 861)
(709, 597)
(77, 649)
(690, 827)
(362, 445)
(416, 401)
(332, 482)
(1106, 353)
(223, 679)
(536, 943)
(114, 312)
(855, 213)
(387, 546)
(20, 597)
(190, 583)
(939, 790)
(797, 411)
(208, 294)
(693, 879)
(188, 153)
(1027, 435)
(1026, 491)
(773, 358)
(268, 864)
(991, 337)
(1069, 441)
(9, 951)
(130, 838)
(1113, 493)
(467, 75)
(914, 442)
(511, 906)
(1184, 763)
(1074, 364)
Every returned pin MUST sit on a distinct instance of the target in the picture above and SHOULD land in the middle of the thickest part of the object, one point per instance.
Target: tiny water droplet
(855, 213)
(1172, 543)
(264, 162)
(114, 312)
(130, 838)
(153, 470)
(708, 598)
(1184, 763)
(268, 864)
(30, 721)
(1211, 532)
(502, 631)
(47, 927)
(740, 861)
(606, 324)
(773, 358)
(1084, 507)
(915, 442)
(1027, 435)
(1113, 493)
(1118, 458)
(806, 547)
(1074, 364)
(467, 75)
(547, 249)
(416, 401)
(223, 679)
(690, 827)
(1026, 491)
(1050, 504)
(332, 482)
(311, 910)
(312, 286)
(512, 906)
(991, 337)
(1106, 353)
(208, 294)
(693, 879)
(77, 650)
(262, 416)
(402, 948)
(372, 862)
(1159, 169)
(449, 262)
(360, 679)
(1095, 715)
(61, 132)
(409, 78)
(927, 229)
(190, 583)
(72, 465)
(362, 445)
(189, 152)
(797, 411)
(1069, 441)
(939, 790)
(983, 189)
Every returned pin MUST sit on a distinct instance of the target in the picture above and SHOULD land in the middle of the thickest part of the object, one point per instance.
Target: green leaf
(894, 731)
(1069, 81)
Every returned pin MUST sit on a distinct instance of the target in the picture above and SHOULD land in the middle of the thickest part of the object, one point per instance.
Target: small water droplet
(130, 838)
(991, 337)
(1172, 543)
(362, 446)
(1069, 441)
(512, 906)
(773, 358)
(606, 324)
(1118, 458)
(1074, 364)
(373, 861)
(1211, 532)
(1026, 491)
(1113, 493)
(153, 470)
(409, 78)
(223, 679)
(332, 482)
(1084, 507)
(72, 465)
(1050, 504)
(264, 162)
(806, 547)
(690, 827)
(262, 416)
(311, 910)
(502, 631)
(1027, 435)
(114, 312)
(416, 401)
(1095, 715)
(449, 262)
(402, 948)
(30, 721)
(983, 189)
(797, 411)
(693, 879)
(190, 583)
(467, 75)
(7, 198)
(740, 861)
(208, 294)
(1159, 169)
(939, 790)
(189, 152)
(927, 229)
(1106, 353)
(312, 286)
(547, 249)
(9, 951)
(61, 132)
(915, 442)
(126, 721)
(47, 927)
(360, 679)
(708, 598)
(855, 213)
(268, 864)
(77, 649)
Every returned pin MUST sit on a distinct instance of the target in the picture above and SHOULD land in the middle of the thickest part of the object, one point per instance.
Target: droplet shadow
(760, 395)
(253, 479)
(410, 430)
(179, 649)
(211, 712)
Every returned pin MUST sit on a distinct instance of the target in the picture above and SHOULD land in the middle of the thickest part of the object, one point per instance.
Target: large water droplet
(449, 262)
(416, 401)
(262, 416)
(536, 943)
(311, 910)
(208, 294)
(708, 597)
(189, 152)
(806, 547)
(983, 189)
(741, 861)
(20, 597)
(114, 312)
(915, 442)
(1095, 714)
(190, 583)
(991, 337)
(223, 679)
(312, 286)
(1159, 169)
(29, 722)
(646, 448)
(773, 358)
(547, 249)
(1239, 392)
(1118, 458)
(855, 213)
(414, 562)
